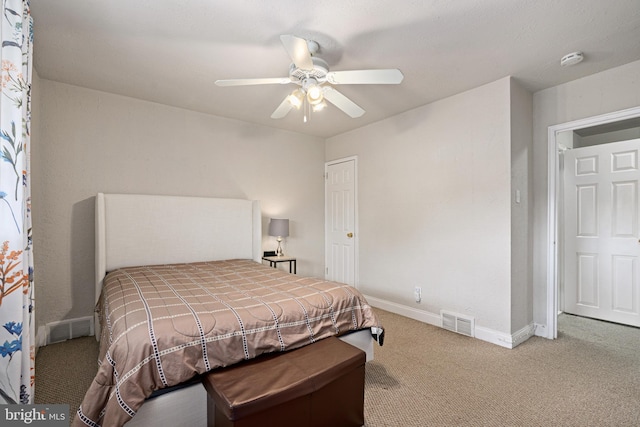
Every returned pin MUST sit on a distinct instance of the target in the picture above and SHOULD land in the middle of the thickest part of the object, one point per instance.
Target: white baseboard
(541, 331)
(481, 333)
(506, 340)
(403, 310)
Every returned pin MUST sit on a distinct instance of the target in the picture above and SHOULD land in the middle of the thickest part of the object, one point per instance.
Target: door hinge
(326, 175)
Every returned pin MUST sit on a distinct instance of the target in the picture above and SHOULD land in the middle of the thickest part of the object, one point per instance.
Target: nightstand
(274, 260)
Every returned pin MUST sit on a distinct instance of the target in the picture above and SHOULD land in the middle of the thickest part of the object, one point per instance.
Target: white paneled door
(601, 232)
(340, 221)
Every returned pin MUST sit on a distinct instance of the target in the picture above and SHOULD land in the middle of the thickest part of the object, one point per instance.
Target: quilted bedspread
(163, 325)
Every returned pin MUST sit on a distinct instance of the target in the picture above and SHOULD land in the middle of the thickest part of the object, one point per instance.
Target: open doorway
(591, 131)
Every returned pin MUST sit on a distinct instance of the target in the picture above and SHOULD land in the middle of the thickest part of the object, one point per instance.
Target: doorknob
(350, 235)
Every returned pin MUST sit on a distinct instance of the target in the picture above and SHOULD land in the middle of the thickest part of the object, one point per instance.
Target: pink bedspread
(163, 325)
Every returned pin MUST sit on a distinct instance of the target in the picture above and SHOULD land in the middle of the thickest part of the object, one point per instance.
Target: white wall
(605, 92)
(434, 195)
(88, 142)
(521, 207)
(444, 174)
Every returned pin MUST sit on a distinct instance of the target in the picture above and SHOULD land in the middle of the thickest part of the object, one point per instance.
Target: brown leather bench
(321, 384)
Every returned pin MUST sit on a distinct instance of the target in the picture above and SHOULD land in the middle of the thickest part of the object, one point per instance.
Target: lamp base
(279, 251)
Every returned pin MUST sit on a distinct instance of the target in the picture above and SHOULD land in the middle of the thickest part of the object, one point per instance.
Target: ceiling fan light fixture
(314, 94)
(319, 106)
(313, 90)
(296, 98)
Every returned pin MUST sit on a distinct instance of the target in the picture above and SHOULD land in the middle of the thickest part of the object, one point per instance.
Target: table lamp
(279, 228)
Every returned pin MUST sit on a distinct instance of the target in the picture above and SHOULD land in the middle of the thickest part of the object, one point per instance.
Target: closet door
(602, 236)
(340, 222)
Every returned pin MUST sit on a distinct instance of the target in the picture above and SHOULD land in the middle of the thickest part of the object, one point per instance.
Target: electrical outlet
(417, 293)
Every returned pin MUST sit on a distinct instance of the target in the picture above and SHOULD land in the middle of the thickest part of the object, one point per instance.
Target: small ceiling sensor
(571, 59)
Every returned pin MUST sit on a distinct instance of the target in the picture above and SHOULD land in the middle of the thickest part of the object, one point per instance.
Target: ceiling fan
(316, 82)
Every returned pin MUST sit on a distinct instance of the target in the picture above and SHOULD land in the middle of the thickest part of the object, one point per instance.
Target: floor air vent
(458, 323)
(67, 329)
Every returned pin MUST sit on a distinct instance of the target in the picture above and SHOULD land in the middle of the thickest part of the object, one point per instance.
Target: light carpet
(427, 376)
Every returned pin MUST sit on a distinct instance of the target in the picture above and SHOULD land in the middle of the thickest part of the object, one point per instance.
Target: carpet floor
(427, 376)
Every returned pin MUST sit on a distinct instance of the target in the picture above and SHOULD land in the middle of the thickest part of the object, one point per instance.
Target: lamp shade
(279, 227)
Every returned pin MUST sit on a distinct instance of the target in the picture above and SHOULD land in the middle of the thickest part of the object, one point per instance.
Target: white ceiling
(172, 51)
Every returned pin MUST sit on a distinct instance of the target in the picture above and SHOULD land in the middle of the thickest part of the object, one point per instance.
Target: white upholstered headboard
(145, 230)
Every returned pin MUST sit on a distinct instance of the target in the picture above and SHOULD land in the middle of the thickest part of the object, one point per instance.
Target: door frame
(554, 223)
(356, 246)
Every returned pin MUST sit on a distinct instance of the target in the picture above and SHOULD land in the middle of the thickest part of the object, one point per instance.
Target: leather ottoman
(321, 384)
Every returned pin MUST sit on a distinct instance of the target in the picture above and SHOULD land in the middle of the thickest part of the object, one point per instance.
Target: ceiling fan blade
(282, 110)
(342, 102)
(365, 77)
(298, 51)
(249, 82)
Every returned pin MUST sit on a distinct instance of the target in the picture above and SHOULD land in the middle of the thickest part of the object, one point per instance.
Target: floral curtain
(17, 348)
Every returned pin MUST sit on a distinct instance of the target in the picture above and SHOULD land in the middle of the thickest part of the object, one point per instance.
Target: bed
(181, 290)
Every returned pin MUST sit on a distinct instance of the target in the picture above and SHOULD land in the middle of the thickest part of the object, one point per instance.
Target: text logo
(35, 415)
